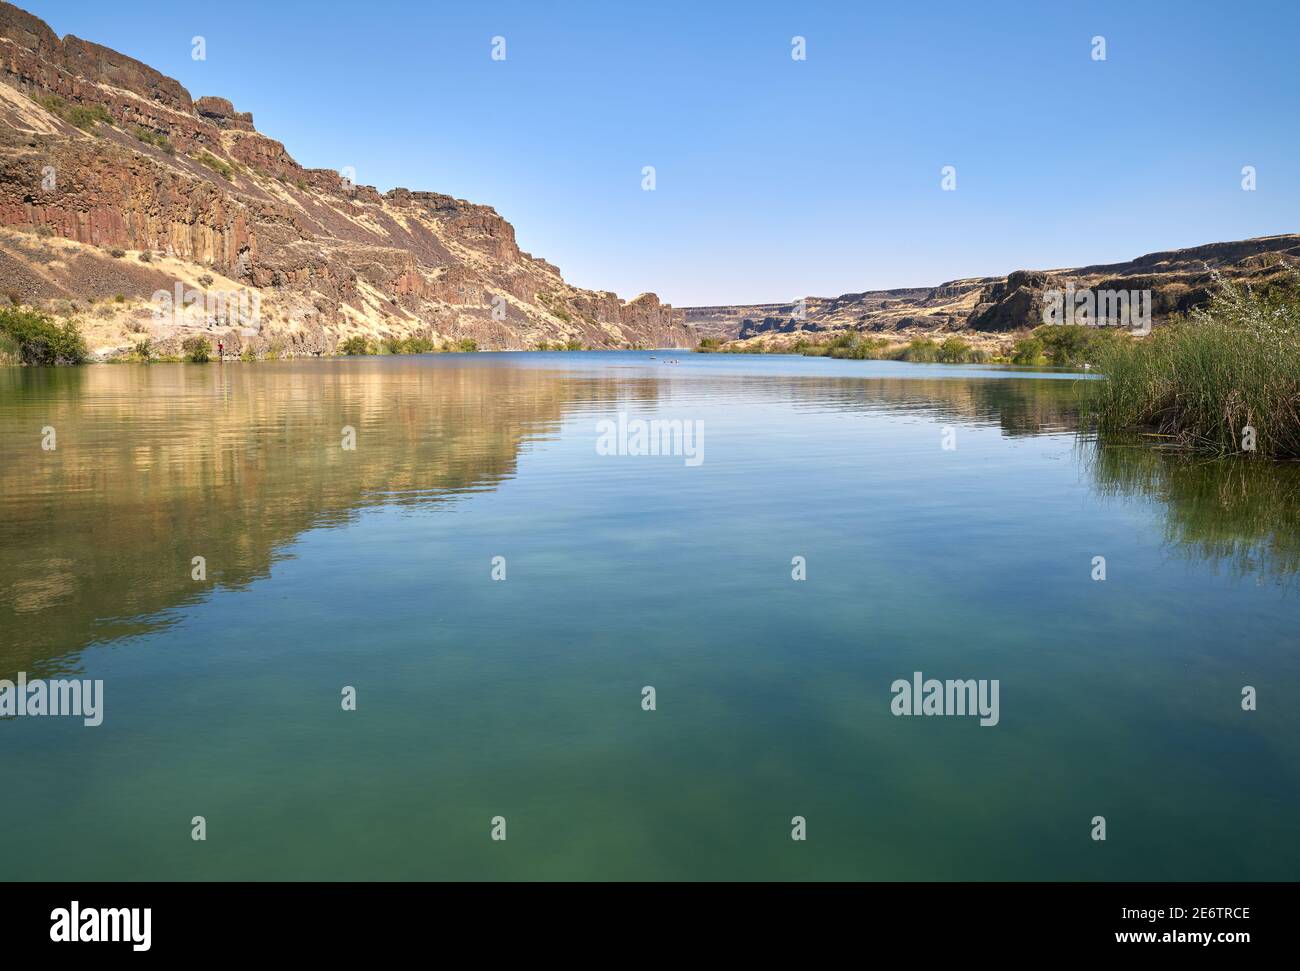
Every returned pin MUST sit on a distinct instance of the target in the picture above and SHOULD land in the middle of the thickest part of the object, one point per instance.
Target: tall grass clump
(1224, 379)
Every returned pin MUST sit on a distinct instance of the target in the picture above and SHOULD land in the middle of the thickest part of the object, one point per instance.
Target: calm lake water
(522, 697)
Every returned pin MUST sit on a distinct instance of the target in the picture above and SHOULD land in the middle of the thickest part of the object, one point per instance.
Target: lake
(498, 573)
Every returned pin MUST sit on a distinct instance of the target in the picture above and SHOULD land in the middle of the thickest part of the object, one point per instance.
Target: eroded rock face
(194, 181)
(222, 113)
(1012, 303)
(1179, 280)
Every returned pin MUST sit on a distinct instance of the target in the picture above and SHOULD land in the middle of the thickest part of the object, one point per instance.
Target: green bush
(921, 350)
(156, 139)
(355, 346)
(1029, 351)
(40, 340)
(467, 345)
(954, 350)
(223, 168)
(197, 350)
(1074, 345)
(85, 117)
(417, 345)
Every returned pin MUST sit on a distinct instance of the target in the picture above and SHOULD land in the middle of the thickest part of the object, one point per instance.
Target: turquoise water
(521, 697)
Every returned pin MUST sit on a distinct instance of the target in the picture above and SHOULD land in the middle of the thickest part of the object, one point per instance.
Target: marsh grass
(1201, 382)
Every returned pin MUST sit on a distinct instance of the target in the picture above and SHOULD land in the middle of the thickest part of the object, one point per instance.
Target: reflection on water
(155, 465)
(1242, 513)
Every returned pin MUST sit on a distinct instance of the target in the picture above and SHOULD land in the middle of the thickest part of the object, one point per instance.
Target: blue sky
(775, 178)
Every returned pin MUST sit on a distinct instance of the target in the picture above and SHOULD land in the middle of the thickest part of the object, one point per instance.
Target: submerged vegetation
(1224, 379)
(37, 339)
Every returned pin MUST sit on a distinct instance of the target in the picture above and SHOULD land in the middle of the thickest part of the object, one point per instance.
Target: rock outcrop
(191, 189)
(990, 306)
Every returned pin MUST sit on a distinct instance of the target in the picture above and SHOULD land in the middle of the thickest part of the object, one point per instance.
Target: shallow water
(521, 698)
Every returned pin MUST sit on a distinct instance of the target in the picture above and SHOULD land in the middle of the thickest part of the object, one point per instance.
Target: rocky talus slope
(115, 184)
(986, 310)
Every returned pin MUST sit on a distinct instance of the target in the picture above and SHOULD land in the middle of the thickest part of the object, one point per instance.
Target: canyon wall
(115, 183)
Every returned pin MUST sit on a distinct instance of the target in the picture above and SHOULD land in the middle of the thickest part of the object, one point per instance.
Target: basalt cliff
(115, 185)
(987, 310)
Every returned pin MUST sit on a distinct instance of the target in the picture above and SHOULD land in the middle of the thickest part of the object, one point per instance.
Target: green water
(521, 698)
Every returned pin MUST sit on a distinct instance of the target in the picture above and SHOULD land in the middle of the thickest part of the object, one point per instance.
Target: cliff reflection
(155, 465)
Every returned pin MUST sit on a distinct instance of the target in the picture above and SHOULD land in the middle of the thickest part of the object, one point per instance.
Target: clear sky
(775, 178)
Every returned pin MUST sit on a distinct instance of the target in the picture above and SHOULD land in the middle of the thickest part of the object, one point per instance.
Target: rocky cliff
(985, 309)
(116, 184)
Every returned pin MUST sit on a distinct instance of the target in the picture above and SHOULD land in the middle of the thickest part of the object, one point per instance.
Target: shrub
(156, 139)
(354, 346)
(1073, 345)
(85, 117)
(197, 350)
(9, 350)
(467, 345)
(146, 257)
(954, 350)
(392, 345)
(117, 254)
(1027, 350)
(921, 350)
(417, 345)
(205, 281)
(40, 340)
(223, 168)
